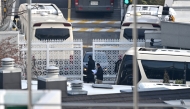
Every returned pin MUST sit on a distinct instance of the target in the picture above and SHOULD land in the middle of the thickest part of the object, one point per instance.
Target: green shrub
(178, 81)
(151, 2)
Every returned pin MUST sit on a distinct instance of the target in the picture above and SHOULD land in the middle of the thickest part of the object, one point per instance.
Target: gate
(107, 52)
(67, 55)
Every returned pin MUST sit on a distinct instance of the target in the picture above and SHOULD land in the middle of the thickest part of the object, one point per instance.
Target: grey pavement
(89, 36)
(182, 8)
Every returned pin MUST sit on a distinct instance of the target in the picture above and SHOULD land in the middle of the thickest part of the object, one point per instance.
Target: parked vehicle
(47, 21)
(153, 64)
(94, 5)
(148, 18)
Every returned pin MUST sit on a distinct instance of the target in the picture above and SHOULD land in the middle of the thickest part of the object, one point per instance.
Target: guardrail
(111, 105)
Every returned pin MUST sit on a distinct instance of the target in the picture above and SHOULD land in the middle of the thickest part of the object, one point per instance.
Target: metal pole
(122, 9)
(135, 74)
(69, 10)
(29, 56)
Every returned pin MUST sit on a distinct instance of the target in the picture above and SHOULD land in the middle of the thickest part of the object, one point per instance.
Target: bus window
(128, 33)
(178, 71)
(125, 76)
(156, 69)
(188, 72)
(52, 33)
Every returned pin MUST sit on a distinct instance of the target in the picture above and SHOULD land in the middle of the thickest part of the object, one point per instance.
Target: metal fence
(67, 55)
(108, 51)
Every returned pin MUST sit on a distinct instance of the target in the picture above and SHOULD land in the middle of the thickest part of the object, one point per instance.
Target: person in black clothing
(99, 74)
(91, 66)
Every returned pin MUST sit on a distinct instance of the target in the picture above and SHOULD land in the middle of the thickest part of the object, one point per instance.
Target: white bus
(48, 22)
(152, 65)
(148, 18)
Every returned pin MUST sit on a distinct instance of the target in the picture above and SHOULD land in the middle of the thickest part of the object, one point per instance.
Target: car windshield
(86, 57)
(52, 33)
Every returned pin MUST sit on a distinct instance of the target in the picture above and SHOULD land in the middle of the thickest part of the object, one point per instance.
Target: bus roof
(145, 14)
(44, 12)
(177, 52)
(143, 19)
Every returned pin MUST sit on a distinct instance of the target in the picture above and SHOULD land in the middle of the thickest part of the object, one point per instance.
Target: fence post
(93, 49)
(81, 43)
(47, 55)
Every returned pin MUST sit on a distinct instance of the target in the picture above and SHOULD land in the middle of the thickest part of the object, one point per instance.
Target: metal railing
(111, 105)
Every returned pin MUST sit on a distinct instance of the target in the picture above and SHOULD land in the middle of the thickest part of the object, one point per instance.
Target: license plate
(94, 2)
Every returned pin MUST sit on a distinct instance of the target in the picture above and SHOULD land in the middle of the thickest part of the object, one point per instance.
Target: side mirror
(152, 42)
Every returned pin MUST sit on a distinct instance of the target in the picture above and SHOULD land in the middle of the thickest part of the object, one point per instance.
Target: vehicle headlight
(85, 69)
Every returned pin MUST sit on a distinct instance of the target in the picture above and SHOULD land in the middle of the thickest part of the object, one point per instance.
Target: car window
(86, 57)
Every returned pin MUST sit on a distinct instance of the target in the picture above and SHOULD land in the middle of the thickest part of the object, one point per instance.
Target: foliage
(166, 77)
(9, 48)
(151, 2)
(178, 81)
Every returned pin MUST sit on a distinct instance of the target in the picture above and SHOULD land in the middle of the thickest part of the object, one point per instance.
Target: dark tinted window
(156, 69)
(52, 33)
(126, 71)
(188, 72)
(86, 57)
(128, 33)
(178, 71)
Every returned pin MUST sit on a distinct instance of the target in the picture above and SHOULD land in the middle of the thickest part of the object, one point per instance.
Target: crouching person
(99, 74)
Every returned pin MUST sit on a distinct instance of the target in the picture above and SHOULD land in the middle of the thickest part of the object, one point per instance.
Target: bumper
(94, 9)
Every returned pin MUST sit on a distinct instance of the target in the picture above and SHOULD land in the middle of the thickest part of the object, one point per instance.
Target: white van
(47, 20)
(153, 63)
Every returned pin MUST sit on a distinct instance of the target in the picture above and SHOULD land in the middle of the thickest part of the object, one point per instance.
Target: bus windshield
(128, 33)
(125, 76)
(52, 33)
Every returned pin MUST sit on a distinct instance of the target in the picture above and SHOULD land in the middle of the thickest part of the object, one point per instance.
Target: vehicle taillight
(126, 24)
(156, 25)
(76, 2)
(66, 24)
(111, 2)
(37, 24)
(108, 8)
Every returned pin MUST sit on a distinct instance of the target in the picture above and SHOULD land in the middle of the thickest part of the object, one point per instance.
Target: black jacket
(117, 66)
(91, 66)
(99, 74)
